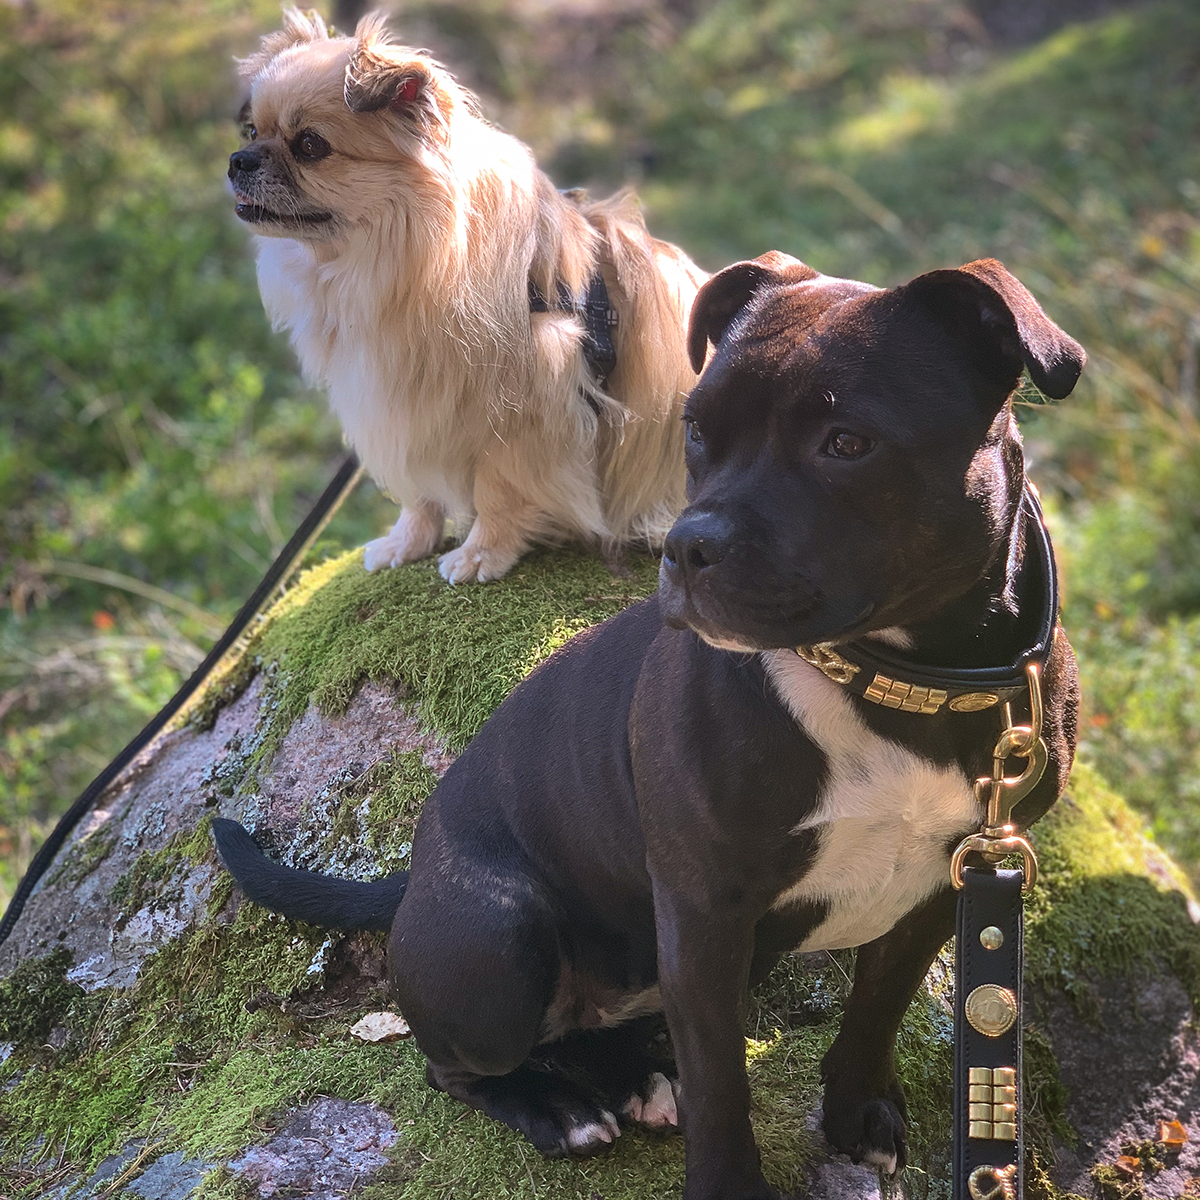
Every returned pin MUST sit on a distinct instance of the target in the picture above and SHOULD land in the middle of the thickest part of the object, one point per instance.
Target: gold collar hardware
(828, 661)
(1001, 793)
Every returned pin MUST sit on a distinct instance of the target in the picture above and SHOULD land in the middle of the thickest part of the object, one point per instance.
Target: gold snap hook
(1002, 793)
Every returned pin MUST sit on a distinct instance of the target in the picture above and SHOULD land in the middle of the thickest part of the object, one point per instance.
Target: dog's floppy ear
(374, 82)
(730, 290)
(991, 312)
(380, 76)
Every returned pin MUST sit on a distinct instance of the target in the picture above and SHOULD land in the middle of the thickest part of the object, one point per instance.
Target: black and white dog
(678, 797)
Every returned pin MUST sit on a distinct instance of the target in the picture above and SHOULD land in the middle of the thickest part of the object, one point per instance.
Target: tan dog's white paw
(472, 564)
(415, 535)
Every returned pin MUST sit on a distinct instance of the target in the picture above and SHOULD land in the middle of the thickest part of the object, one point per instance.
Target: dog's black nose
(698, 540)
(244, 160)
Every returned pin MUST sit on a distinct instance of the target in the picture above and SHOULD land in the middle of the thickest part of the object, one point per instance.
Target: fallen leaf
(1172, 1135)
(380, 1027)
(1129, 1166)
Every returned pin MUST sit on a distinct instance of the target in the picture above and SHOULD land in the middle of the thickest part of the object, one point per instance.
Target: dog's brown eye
(311, 145)
(843, 444)
(249, 132)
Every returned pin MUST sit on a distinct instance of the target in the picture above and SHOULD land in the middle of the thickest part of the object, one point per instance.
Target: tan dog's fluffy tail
(651, 284)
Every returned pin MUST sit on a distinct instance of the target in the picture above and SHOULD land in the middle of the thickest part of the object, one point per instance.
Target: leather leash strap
(988, 1146)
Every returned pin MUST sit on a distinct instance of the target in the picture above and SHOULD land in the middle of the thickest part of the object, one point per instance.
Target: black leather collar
(888, 677)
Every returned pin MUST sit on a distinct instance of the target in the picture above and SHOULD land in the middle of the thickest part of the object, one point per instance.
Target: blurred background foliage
(157, 446)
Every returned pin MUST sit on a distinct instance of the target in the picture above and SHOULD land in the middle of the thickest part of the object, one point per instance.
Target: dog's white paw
(881, 1161)
(658, 1110)
(415, 535)
(588, 1137)
(470, 564)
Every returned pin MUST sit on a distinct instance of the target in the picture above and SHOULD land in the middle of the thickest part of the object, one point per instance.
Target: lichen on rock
(156, 1020)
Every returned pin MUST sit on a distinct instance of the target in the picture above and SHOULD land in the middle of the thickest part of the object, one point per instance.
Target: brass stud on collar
(974, 701)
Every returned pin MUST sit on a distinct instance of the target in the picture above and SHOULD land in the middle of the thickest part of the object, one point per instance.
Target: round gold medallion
(991, 1009)
(974, 701)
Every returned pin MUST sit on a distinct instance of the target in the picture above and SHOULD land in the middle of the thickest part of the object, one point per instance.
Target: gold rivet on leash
(992, 1104)
(991, 1009)
(991, 1183)
(991, 938)
(974, 701)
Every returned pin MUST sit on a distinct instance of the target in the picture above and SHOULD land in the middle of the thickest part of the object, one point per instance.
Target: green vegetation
(156, 447)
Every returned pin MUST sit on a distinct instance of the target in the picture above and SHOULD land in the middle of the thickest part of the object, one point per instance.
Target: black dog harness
(988, 1144)
(599, 320)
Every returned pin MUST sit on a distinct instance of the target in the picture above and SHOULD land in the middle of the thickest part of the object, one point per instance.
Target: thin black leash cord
(288, 559)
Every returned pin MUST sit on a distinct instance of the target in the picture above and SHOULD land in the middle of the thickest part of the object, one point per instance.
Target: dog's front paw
(474, 564)
(654, 1105)
(414, 536)
(870, 1131)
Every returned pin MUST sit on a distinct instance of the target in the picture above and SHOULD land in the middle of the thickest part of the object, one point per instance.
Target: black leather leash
(988, 1136)
(285, 563)
(988, 1143)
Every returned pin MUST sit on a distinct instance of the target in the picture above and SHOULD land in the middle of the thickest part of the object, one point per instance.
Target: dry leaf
(1129, 1166)
(380, 1027)
(1172, 1135)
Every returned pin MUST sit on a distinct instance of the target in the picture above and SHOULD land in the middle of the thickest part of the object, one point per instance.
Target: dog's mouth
(253, 213)
(760, 626)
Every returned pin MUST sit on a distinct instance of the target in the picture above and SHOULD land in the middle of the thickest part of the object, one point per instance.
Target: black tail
(305, 895)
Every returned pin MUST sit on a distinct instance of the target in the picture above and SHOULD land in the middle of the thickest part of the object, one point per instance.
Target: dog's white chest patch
(883, 820)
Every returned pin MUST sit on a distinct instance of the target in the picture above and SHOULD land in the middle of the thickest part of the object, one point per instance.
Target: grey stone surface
(160, 795)
(1136, 1061)
(845, 1181)
(835, 1177)
(326, 1149)
(99, 1180)
(180, 778)
(172, 1177)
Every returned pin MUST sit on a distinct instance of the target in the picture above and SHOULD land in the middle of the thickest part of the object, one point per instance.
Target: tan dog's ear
(730, 290)
(379, 77)
(1001, 325)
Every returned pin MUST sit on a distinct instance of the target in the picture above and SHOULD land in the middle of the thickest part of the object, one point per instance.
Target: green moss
(1038, 1184)
(925, 1064)
(371, 817)
(230, 1026)
(1108, 901)
(454, 652)
(1045, 1095)
(402, 786)
(35, 997)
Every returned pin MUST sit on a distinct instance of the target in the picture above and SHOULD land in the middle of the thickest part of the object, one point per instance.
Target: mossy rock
(160, 1035)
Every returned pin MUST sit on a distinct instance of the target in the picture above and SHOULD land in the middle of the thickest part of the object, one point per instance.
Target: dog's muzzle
(262, 198)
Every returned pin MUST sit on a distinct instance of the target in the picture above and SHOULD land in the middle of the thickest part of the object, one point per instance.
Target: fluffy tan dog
(405, 243)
